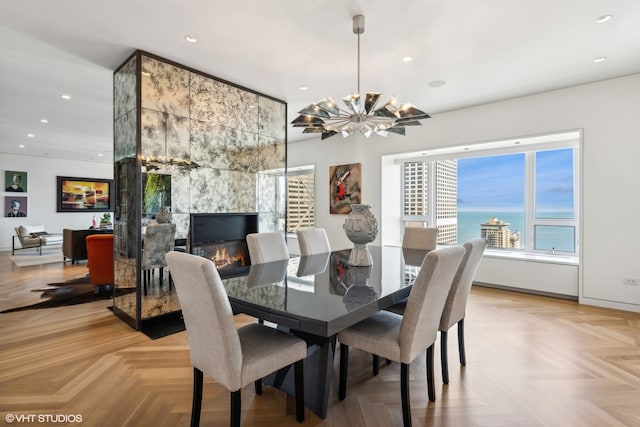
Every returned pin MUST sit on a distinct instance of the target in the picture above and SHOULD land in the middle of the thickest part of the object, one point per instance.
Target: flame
(222, 258)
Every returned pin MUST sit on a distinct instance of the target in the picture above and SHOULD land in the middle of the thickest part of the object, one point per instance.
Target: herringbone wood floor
(531, 361)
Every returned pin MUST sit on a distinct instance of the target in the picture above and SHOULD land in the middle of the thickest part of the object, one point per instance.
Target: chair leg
(196, 405)
(430, 383)
(443, 357)
(144, 282)
(376, 364)
(236, 408)
(299, 380)
(344, 361)
(258, 386)
(404, 391)
(463, 357)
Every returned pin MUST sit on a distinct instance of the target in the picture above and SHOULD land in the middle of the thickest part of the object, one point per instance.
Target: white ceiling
(485, 51)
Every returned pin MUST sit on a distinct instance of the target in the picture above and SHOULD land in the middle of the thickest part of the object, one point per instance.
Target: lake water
(549, 237)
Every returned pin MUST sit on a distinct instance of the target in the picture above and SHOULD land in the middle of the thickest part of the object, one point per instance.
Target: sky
(497, 183)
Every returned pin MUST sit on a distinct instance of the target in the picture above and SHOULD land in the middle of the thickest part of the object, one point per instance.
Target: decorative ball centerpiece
(361, 228)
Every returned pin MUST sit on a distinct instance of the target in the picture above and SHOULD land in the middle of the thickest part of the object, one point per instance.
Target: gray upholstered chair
(158, 240)
(267, 247)
(455, 307)
(313, 241)
(424, 238)
(232, 357)
(403, 338)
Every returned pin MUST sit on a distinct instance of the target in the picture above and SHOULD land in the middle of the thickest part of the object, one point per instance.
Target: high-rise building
(416, 188)
(447, 200)
(419, 202)
(498, 235)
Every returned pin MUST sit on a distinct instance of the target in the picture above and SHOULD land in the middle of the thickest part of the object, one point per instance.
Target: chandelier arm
(336, 122)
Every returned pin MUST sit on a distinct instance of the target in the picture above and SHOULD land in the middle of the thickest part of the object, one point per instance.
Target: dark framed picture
(84, 194)
(15, 182)
(15, 207)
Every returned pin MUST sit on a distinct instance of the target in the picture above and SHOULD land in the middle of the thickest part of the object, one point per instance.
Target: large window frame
(301, 201)
(528, 147)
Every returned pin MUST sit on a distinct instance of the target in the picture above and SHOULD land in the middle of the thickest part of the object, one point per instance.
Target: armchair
(33, 237)
(100, 256)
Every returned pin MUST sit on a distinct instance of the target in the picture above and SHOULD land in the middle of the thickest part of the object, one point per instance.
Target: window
(518, 198)
(300, 198)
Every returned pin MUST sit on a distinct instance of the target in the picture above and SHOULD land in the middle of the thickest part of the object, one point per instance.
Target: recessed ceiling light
(21, 146)
(65, 96)
(191, 39)
(100, 154)
(44, 121)
(604, 18)
(146, 73)
(600, 59)
(303, 88)
(30, 135)
(407, 59)
(437, 83)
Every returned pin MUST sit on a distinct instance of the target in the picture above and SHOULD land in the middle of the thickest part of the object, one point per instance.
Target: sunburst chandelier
(327, 118)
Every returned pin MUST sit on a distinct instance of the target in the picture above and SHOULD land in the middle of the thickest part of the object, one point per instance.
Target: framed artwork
(15, 207)
(344, 187)
(156, 193)
(15, 182)
(84, 194)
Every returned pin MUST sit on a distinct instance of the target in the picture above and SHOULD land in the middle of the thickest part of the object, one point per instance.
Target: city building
(498, 234)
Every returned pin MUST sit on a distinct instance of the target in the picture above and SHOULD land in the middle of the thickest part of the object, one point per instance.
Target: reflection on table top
(322, 294)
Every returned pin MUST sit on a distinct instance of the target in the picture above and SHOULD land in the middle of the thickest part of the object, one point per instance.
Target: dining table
(317, 296)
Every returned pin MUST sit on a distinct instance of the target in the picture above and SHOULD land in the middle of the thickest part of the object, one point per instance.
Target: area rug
(33, 258)
(71, 292)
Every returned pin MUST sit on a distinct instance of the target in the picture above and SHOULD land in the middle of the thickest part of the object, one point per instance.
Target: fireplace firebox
(221, 237)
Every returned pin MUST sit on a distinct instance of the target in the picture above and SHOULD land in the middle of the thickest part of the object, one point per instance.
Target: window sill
(533, 257)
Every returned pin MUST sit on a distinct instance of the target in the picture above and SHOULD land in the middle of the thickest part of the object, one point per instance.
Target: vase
(164, 215)
(359, 292)
(361, 228)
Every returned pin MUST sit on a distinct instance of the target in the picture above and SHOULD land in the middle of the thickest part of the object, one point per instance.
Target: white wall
(41, 193)
(606, 111)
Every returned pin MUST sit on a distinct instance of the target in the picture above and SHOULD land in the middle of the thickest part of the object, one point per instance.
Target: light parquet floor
(531, 361)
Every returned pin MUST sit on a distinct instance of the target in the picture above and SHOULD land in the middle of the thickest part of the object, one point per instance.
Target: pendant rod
(358, 63)
(358, 28)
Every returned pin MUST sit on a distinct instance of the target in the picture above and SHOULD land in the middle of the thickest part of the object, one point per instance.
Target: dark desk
(315, 298)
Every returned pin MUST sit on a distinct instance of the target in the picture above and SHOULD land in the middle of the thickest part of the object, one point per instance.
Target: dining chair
(267, 247)
(455, 306)
(313, 241)
(403, 338)
(158, 241)
(424, 238)
(232, 357)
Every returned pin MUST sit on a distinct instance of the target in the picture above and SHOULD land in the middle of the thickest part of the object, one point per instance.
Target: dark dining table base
(318, 372)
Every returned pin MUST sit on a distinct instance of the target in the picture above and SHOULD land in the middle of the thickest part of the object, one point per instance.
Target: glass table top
(322, 294)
